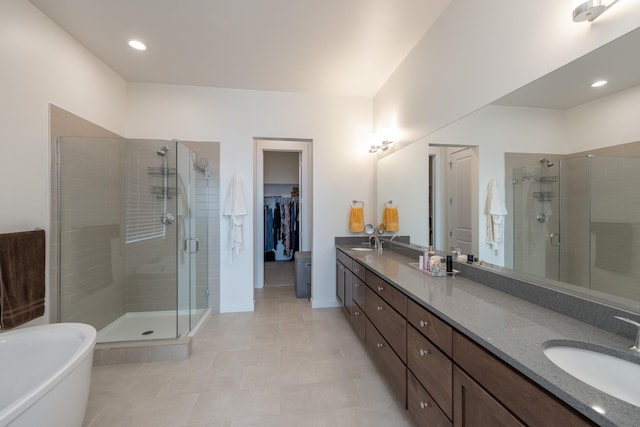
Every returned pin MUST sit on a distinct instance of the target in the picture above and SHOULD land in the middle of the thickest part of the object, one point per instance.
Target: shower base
(144, 337)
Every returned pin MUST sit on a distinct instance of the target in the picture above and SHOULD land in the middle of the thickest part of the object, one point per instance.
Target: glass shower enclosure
(577, 222)
(133, 236)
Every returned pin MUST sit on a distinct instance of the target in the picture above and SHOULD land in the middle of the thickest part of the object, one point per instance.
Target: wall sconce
(380, 141)
(588, 10)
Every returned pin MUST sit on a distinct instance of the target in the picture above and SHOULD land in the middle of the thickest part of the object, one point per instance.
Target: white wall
(479, 51)
(41, 64)
(342, 168)
(607, 121)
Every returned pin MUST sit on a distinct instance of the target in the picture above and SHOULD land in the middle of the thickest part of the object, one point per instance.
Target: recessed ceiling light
(138, 45)
(599, 83)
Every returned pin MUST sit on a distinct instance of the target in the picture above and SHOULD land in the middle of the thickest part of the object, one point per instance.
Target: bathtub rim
(88, 334)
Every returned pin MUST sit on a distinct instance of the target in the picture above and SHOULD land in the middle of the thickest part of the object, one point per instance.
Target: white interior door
(460, 188)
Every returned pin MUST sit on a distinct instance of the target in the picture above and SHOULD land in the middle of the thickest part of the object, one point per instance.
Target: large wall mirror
(566, 158)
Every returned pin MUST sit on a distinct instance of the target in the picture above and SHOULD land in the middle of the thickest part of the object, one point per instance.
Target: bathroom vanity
(456, 352)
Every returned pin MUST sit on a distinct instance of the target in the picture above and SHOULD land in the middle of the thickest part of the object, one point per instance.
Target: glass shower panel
(615, 209)
(151, 204)
(575, 221)
(193, 232)
(91, 270)
(199, 189)
(534, 220)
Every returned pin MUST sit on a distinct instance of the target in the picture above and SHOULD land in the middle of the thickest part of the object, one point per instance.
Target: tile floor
(279, 273)
(283, 365)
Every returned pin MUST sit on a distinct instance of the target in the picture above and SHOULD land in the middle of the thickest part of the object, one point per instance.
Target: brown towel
(22, 277)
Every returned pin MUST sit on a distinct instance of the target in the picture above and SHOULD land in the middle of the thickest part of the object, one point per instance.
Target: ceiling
(335, 47)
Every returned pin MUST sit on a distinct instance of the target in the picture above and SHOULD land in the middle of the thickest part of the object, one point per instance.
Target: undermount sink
(606, 372)
(361, 249)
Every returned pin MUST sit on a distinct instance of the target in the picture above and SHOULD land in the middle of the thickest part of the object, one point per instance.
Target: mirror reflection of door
(432, 195)
(460, 184)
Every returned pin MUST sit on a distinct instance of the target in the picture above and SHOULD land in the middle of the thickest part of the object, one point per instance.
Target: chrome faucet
(636, 347)
(377, 243)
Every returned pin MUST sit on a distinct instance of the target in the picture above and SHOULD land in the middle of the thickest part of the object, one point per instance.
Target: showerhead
(546, 162)
(163, 150)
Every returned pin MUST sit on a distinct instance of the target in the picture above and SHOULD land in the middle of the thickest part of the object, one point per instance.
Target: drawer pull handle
(380, 308)
(424, 352)
(424, 323)
(380, 345)
(380, 289)
(424, 405)
(357, 285)
(356, 313)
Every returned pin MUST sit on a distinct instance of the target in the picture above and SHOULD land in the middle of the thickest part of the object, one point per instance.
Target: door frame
(302, 146)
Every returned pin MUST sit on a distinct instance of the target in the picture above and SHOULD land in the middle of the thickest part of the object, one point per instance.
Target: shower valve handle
(167, 218)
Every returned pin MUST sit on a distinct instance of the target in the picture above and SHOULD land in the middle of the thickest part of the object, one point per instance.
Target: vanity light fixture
(588, 10)
(380, 141)
(137, 45)
(599, 83)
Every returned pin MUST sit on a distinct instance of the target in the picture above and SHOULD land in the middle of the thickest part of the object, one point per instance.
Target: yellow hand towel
(356, 222)
(391, 219)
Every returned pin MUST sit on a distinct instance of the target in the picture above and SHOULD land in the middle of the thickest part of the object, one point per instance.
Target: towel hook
(388, 204)
(355, 202)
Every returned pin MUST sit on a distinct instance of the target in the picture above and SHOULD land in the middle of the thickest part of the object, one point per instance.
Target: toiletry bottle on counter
(425, 261)
(449, 264)
(421, 262)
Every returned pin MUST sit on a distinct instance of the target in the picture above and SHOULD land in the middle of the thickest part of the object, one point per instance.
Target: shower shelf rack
(163, 192)
(544, 196)
(160, 171)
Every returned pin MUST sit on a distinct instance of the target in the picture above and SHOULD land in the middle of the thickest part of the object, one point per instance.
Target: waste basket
(303, 274)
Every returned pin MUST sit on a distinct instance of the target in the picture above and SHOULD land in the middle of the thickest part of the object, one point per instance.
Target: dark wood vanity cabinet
(526, 401)
(442, 377)
(350, 290)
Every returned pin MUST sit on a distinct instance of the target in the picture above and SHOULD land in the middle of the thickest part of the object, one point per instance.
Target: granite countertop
(510, 328)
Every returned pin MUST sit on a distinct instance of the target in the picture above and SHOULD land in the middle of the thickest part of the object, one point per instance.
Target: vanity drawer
(390, 324)
(397, 299)
(358, 270)
(430, 326)
(358, 320)
(359, 292)
(422, 408)
(390, 365)
(525, 399)
(345, 259)
(432, 368)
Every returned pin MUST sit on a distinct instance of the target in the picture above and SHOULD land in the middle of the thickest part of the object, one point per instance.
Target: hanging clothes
(281, 226)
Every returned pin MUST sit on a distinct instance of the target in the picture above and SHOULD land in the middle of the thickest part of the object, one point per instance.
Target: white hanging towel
(495, 211)
(236, 210)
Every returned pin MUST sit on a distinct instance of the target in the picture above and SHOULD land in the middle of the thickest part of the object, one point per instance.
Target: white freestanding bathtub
(45, 374)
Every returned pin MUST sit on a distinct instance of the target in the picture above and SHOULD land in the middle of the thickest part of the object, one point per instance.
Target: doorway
(283, 208)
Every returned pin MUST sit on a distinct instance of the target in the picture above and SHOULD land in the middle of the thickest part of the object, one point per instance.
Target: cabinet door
(348, 292)
(472, 406)
(340, 270)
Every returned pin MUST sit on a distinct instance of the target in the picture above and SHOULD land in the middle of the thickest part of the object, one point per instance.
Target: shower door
(193, 233)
